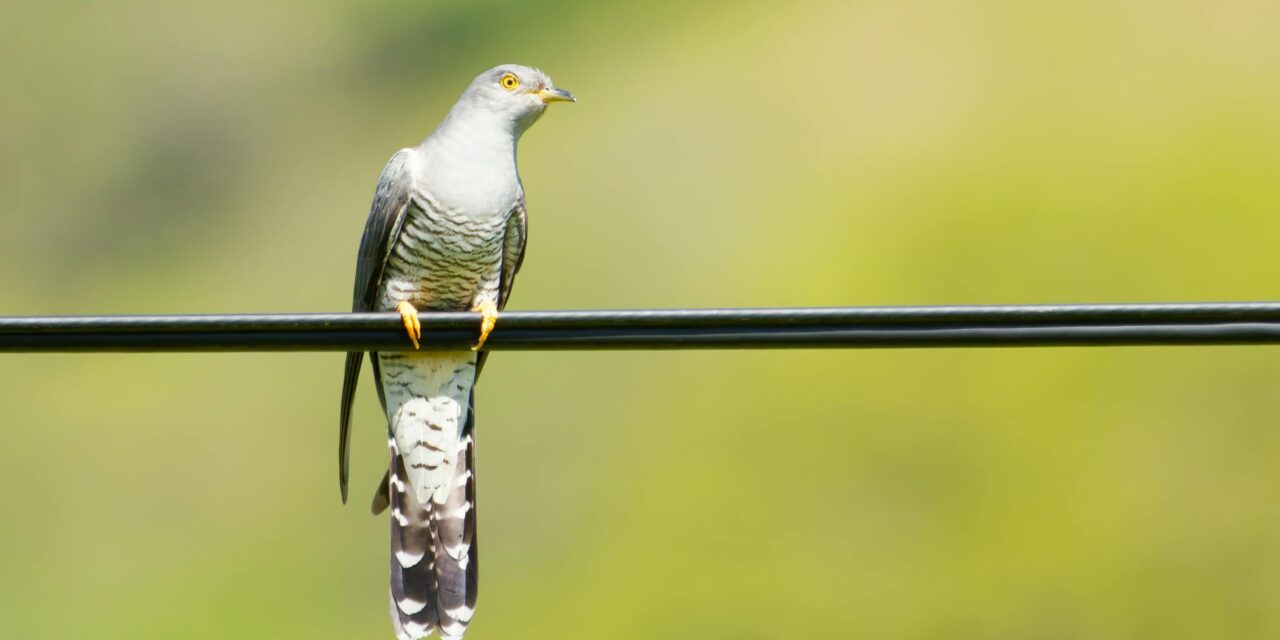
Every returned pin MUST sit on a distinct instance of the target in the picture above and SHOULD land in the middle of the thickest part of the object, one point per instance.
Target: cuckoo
(446, 232)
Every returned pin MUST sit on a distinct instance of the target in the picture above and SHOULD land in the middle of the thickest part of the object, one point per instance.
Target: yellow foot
(409, 316)
(489, 313)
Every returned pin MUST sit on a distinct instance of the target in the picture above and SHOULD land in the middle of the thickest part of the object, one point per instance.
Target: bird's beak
(552, 94)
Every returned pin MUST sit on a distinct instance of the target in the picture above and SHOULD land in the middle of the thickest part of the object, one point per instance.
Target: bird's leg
(489, 317)
(409, 316)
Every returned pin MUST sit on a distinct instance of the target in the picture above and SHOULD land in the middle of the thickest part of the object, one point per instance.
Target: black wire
(822, 327)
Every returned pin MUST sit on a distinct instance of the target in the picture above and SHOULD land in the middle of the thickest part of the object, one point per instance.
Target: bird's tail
(434, 558)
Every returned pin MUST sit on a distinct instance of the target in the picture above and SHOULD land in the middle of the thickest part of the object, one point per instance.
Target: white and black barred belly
(443, 261)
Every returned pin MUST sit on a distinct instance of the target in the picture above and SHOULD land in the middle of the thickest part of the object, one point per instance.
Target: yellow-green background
(202, 156)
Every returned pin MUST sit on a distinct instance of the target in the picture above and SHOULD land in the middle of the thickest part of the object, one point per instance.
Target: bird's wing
(517, 235)
(386, 216)
(513, 249)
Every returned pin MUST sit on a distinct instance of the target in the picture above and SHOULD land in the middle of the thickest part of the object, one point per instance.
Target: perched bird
(446, 232)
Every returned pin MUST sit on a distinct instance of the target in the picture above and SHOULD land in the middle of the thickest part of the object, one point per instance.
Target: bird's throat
(470, 166)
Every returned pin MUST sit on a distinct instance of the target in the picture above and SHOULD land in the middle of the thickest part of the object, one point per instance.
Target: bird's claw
(488, 318)
(412, 326)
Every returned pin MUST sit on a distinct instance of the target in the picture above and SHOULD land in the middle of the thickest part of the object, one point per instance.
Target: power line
(812, 327)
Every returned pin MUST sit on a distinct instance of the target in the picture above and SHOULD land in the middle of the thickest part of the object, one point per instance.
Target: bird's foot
(409, 316)
(489, 317)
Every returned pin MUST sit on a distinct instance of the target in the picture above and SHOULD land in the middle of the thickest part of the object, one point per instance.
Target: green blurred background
(202, 156)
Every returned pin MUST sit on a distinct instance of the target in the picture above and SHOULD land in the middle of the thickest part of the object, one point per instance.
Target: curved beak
(552, 94)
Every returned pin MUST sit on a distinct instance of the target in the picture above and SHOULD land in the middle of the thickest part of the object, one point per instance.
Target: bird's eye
(509, 81)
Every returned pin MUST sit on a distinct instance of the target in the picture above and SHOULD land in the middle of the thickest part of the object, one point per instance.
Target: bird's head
(514, 94)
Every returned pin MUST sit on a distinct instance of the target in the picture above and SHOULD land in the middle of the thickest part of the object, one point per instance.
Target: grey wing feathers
(512, 258)
(513, 249)
(386, 215)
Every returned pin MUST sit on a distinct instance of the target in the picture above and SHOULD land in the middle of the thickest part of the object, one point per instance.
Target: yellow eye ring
(509, 81)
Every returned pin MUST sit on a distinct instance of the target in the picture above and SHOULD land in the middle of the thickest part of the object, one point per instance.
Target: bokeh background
(202, 156)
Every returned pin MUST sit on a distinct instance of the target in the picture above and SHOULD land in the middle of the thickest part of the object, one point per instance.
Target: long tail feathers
(434, 557)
